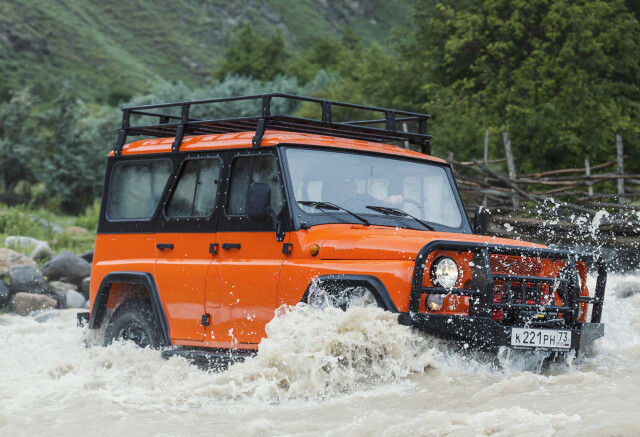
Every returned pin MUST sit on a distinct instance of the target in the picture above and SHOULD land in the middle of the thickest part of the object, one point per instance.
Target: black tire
(134, 321)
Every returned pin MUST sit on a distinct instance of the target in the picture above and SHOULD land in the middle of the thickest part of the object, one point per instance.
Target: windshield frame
(303, 219)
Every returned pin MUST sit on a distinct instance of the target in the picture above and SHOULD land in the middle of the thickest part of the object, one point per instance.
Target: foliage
(561, 76)
(39, 223)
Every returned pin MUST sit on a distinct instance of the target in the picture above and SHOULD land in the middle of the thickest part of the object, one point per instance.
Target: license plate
(544, 338)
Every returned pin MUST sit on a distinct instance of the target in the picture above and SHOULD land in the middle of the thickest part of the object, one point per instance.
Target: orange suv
(209, 224)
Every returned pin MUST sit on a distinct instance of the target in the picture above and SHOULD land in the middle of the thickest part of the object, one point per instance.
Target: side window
(250, 169)
(136, 189)
(195, 193)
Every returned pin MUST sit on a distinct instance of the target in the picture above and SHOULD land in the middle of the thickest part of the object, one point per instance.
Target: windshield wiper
(329, 205)
(396, 212)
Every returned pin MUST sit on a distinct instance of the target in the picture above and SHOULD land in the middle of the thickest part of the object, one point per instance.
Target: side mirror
(258, 209)
(480, 221)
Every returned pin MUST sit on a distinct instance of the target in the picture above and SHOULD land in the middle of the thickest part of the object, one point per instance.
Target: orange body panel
(241, 287)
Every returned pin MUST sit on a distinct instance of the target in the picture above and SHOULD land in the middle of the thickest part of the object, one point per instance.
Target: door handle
(227, 246)
(163, 246)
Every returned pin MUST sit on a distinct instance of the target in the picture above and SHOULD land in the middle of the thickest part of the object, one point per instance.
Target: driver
(343, 191)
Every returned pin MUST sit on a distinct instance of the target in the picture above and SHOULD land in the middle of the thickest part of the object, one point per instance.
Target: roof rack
(166, 123)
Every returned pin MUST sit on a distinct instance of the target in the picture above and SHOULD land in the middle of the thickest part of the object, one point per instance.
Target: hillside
(112, 49)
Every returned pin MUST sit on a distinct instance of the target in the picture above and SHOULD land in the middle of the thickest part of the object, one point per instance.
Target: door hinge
(206, 319)
(286, 248)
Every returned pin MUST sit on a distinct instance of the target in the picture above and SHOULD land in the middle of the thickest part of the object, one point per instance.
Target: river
(320, 372)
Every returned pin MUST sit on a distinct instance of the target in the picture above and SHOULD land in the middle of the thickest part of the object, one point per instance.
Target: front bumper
(486, 334)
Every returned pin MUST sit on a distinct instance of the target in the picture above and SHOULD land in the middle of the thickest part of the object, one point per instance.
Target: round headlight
(444, 272)
(434, 302)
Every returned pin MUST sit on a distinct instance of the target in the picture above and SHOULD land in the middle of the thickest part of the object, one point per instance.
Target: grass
(110, 50)
(39, 223)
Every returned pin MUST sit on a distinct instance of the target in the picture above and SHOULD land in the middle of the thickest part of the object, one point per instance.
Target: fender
(371, 283)
(142, 278)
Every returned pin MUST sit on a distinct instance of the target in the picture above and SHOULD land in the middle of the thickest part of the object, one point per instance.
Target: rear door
(186, 245)
(250, 255)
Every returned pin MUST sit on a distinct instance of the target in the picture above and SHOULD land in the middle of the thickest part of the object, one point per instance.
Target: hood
(357, 242)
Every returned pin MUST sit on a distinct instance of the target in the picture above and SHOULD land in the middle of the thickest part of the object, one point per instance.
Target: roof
(239, 140)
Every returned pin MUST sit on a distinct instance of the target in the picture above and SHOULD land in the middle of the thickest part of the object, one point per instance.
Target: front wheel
(134, 321)
(353, 296)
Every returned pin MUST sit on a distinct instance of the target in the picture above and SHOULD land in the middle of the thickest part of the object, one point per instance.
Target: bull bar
(478, 329)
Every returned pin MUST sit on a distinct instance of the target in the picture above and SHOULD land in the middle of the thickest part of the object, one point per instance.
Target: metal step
(208, 358)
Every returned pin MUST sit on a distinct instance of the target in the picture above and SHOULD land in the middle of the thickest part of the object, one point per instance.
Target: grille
(516, 265)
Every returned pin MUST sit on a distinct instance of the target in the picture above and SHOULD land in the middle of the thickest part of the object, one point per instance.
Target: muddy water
(319, 373)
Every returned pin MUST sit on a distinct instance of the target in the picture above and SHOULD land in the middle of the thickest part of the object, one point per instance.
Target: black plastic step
(209, 359)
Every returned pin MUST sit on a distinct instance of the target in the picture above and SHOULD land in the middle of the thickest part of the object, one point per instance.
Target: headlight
(434, 302)
(444, 272)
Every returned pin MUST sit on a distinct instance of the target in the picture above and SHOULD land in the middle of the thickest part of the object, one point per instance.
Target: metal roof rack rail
(165, 121)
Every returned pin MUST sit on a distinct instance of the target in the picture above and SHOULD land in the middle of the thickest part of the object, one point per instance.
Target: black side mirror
(258, 209)
(480, 220)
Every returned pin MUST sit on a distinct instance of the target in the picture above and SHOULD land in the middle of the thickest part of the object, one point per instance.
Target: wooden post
(620, 167)
(450, 156)
(587, 170)
(486, 161)
(506, 138)
(404, 128)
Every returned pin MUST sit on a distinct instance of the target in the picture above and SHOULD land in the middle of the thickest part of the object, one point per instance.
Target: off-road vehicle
(209, 224)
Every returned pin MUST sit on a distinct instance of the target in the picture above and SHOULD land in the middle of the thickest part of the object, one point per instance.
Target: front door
(250, 256)
(186, 245)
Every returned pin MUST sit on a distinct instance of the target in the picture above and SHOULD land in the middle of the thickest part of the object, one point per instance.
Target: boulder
(67, 267)
(62, 286)
(5, 293)
(25, 303)
(26, 278)
(75, 230)
(20, 241)
(85, 287)
(75, 299)
(41, 251)
(88, 256)
(10, 258)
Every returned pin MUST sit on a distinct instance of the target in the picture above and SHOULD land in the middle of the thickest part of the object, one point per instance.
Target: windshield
(355, 181)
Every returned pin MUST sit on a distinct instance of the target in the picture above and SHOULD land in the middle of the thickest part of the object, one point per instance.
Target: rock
(10, 258)
(20, 241)
(63, 286)
(26, 278)
(75, 230)
(5, 293)
(54, 227)
(75, 299)
(67, 267)
(41, 251)
(87, 256)
(25, 303)
(85, 287)
(60, 296)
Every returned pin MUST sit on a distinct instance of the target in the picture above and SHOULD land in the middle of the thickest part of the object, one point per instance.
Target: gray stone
(75, 299)
(87, 256)
(41, 251)
(85, 287)
(60, 296)
(67, 267)
(62, 286)
(5, 293)
(10, 258)
(26, 278)
(20, 241)
(25, 303)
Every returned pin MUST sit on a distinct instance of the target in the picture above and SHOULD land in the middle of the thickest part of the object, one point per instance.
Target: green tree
(561, 76)
(251, 55)
(16, 141)
(72, 151)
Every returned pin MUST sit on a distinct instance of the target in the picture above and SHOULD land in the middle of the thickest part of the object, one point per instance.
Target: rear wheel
(134, 321)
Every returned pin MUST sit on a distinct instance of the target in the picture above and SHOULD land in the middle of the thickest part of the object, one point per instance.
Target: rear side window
(246, 170)
(195, 193)
(136, 189)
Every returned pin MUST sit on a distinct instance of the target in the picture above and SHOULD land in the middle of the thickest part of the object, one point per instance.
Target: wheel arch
(372, 283)
(143, 279)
